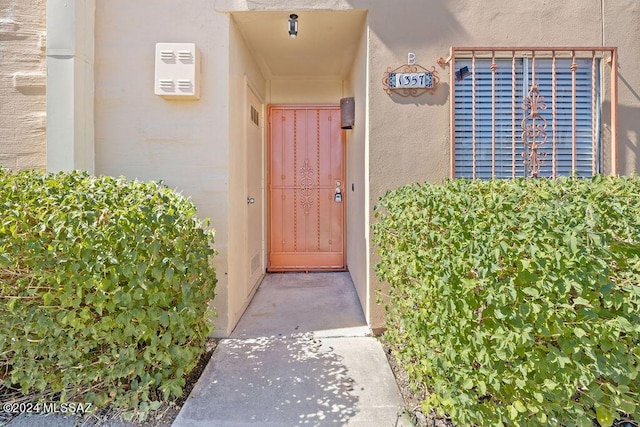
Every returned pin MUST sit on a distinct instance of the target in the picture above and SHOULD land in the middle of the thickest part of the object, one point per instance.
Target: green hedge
(104, 285)
(516, 302)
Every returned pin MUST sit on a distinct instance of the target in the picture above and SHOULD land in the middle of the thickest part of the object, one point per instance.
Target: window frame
(600, 56)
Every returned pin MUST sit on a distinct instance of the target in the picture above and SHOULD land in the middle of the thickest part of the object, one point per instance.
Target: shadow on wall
(310, 387)
(439, 97)
(629, 136)
(628, 129)
(427, 22)
(628, 139)
(423, 21)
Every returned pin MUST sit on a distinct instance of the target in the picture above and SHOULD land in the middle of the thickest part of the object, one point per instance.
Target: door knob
(251, 200)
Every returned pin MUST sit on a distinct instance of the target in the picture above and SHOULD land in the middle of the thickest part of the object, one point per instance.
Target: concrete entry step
(293, 303)
(300, 356)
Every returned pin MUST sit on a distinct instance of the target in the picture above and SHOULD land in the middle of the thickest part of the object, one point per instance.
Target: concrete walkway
(300, 356)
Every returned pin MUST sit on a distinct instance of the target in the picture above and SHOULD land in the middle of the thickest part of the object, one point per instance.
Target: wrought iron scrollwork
(534, 131)
(306, 184)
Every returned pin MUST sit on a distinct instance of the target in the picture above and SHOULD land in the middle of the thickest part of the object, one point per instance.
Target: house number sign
(410, 79)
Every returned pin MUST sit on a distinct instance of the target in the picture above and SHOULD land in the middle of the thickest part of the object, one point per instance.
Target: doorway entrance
(306, 175)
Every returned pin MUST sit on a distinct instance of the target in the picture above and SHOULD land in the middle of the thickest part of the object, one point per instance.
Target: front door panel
(306, 165)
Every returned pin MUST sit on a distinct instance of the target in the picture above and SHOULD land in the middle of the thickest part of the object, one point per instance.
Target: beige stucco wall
(141, 135)
(357, 175)
(622, 29)
(22, 84)
(409, 138)
(305, 91)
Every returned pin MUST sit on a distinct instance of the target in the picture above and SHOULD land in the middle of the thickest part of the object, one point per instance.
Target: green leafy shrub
(516, 302)
(104, 287)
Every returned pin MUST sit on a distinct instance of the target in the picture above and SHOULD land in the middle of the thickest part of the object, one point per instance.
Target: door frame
(270, 107)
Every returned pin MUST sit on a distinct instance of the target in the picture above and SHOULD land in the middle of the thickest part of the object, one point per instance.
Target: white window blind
(498, 133)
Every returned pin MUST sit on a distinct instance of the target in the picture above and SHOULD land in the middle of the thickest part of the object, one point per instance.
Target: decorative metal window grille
(533, 112)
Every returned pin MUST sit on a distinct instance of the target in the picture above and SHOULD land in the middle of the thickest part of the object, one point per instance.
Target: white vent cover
(167, 55)
(177, 71)
(185, 56)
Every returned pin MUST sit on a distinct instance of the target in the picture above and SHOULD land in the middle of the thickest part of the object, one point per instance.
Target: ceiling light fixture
(293, 25)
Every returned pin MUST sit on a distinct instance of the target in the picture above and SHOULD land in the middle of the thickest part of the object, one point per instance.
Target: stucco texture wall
(305, 91)
(141, 135)
(357, 176)
(622, 29)
(409, 137)
(23, 84)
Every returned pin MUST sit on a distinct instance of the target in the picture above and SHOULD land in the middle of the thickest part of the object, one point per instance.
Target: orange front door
(306, 170)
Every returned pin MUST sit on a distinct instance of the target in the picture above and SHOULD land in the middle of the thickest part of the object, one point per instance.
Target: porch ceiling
(325, 46)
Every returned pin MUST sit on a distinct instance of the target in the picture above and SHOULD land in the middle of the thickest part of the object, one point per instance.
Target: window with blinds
(488, 120)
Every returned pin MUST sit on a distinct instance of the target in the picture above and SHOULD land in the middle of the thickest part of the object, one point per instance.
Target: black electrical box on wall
(347, 112)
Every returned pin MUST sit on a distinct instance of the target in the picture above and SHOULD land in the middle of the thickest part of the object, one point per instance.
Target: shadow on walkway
(300, 355)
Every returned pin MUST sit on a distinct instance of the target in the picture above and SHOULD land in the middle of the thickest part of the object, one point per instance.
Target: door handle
(250, 200)
(338, 195)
